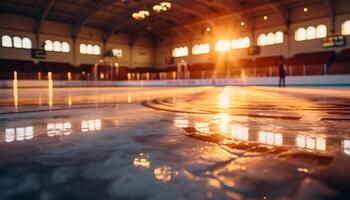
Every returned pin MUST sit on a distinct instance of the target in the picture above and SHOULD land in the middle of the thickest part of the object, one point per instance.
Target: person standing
(282, 72)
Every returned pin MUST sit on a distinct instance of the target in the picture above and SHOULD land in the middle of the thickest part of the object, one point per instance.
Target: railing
(298, 70)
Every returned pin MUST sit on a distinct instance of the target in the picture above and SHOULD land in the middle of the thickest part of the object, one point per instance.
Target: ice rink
(175, 143)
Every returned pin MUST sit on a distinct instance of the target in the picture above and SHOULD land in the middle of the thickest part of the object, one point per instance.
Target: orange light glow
(222, 45)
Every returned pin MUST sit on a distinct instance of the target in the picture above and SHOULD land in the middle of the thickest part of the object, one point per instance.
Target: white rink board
(329, 80)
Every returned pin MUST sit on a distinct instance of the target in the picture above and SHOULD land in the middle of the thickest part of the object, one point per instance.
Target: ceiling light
(142, 14)
(242, 23)
(208, 29)
(265, 17)
(164, 6)
(306, 9)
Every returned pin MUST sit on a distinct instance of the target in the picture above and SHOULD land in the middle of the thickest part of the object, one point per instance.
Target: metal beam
(330, 4)
(283, 12)
(40, 18)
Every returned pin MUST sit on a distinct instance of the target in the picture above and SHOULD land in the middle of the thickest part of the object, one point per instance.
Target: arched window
(300, 34)
(17, 42)
(89, 49)
(246, 42)
(83, 48)
(201, 49)
(310, 33)
(240, 43)
(6, 41)
(262, 40)
(97, 50)
(65, 47)
(57, 46)
(222, 45)
(180, 52)
(278, 37)
(48, 45)
(270, 39)
(345, 28)
(26, 43)
(321, 31)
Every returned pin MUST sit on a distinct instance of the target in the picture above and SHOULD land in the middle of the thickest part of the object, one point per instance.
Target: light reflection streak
(50, 88)
(224, 98)
(15, 89)
(19, 134)
(308, 142)
(270, 138)
(223, 122)
(57, 129)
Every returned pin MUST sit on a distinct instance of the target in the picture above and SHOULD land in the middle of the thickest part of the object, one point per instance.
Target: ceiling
(113, 16)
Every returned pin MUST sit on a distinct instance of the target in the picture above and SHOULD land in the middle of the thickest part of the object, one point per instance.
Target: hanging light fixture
(164, 6)
(140, 15)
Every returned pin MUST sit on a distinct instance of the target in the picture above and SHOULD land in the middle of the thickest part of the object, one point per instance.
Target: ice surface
(175, 143)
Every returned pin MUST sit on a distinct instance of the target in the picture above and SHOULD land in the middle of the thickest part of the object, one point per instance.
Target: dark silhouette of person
(282, 72)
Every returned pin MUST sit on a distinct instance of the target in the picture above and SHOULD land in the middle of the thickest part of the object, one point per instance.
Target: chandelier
(164, 6)
(140, 15)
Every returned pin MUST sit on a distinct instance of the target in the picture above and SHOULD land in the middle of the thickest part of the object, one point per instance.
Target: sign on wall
(39, 53)
(334, 41)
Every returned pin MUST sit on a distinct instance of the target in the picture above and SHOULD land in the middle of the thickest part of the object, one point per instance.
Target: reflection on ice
(202, 127)
(239, 132)
(223, 122)
(270, 138)
(163, 173)
(141, 160)
(19, 134)
(181, 123)
(56, 129)
(91, 125)
(313, 143)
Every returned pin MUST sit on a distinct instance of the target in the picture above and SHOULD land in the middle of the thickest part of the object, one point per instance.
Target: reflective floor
(175, 143)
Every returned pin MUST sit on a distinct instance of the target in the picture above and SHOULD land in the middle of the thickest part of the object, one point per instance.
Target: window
(26, 43)
(56, 46)
(240, 43)
(262, 40)
(345, 28)
(117, 52)
(90, 49)
(83, 49)
(97, 50)
(17, 42)
(222, 45)
(279, 37)
(321, 31)
(180, 52)
(300, 34)
(48, 45)
(201, 49)
(270, 38)
(65, 47)
(311, 33)
(6, 41)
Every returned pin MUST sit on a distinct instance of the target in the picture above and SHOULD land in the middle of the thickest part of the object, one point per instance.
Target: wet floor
(175, 143)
